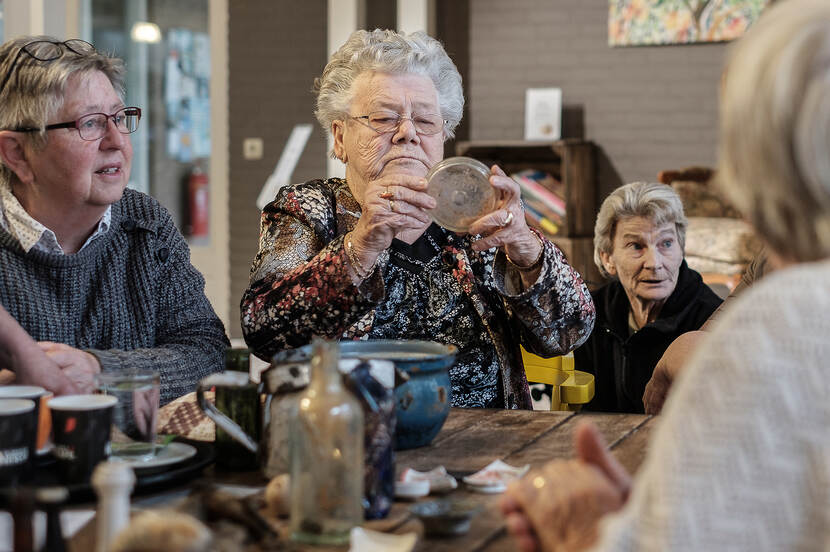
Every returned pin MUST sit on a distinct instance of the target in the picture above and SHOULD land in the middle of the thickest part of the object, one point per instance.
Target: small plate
(439, 480)
(173, 453)
(365, 540)
(411, 489)
(444, 517)
(494, 477)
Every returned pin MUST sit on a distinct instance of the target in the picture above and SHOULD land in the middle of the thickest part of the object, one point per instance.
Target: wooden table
(472, 438)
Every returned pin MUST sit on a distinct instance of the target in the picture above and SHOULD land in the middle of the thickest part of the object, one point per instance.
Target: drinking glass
(135, 415)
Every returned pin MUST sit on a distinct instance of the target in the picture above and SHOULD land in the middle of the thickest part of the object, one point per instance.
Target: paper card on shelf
(543, 113)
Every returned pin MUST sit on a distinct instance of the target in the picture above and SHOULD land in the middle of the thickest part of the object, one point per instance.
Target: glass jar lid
(461, 187)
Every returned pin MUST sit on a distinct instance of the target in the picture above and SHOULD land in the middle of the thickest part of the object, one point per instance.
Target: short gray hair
(775, 128)
(652, 200)
(388, 52)
(34, 92)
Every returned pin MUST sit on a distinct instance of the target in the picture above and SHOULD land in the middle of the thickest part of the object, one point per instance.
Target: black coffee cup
(40, 396)
(18, 435)
(81, 431)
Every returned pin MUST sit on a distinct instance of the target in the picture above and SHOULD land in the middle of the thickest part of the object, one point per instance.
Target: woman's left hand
(505, 226)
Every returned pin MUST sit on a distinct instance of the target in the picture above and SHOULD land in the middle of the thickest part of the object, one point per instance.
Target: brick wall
(647, 108)
(277, 48)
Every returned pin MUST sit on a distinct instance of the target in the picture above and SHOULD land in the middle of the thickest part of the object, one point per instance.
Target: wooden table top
(472, 438)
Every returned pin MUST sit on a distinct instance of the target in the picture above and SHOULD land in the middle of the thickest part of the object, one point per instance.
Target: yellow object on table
(571, 388)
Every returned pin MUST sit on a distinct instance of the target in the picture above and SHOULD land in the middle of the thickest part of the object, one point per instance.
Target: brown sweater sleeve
(754, 272)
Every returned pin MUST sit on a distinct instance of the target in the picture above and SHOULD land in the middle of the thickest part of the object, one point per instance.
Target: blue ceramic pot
(422, 403)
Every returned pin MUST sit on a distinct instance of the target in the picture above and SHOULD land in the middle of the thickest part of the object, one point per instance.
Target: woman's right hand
(22, 355)
(392, 205)
(558, 506)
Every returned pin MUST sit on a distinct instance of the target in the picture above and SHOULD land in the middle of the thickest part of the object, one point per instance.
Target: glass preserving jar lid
(461, 187)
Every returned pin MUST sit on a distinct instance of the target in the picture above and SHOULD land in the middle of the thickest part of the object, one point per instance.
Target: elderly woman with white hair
(740, 457)
(360, 258)
(652, 299)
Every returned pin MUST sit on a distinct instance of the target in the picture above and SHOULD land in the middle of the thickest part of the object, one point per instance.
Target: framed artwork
(642, 22)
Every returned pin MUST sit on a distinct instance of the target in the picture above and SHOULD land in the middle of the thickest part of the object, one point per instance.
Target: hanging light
(144, 31)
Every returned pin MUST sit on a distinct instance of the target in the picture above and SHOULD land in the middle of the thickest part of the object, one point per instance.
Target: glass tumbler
(135, 415)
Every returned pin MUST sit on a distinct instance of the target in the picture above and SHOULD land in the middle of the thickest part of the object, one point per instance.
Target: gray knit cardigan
(130, 297)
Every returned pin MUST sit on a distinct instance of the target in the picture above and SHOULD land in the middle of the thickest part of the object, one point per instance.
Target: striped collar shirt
(32, 234)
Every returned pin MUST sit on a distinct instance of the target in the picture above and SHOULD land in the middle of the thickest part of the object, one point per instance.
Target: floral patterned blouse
(438, 289)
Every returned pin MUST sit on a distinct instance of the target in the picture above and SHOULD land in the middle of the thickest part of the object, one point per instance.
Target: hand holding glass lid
(473, 199)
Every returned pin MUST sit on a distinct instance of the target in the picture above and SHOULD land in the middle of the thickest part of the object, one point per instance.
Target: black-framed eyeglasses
(48, 50)
(94, 125)
(384, 122)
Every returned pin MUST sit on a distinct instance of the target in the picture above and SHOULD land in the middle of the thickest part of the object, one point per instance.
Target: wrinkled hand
(78, 366)
(668, 368)
(505, 226)
(391, 205)
(31, 366)
(558, 506)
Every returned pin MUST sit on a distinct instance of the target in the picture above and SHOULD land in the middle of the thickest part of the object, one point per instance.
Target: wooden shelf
(570, 161)
(580, 255)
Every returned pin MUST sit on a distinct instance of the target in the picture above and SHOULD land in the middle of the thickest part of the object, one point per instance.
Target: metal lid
(461, 187)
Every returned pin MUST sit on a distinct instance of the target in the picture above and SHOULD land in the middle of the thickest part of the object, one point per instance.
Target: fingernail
(422, 182)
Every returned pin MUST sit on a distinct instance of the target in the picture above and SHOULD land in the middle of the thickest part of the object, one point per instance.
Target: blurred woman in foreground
(740, 459)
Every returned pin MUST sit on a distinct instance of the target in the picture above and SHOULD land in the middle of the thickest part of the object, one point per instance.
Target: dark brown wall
(276, 49)
(647, 108)
(452, 28)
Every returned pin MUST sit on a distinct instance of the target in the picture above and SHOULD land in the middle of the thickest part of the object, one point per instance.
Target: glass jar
(326, 455)
(242, 405)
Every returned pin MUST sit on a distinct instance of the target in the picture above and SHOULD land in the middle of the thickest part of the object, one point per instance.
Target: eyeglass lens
(94, 126)
(45, 50)
(388, 121)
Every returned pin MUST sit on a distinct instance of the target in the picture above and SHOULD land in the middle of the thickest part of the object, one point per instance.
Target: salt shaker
(113, 482)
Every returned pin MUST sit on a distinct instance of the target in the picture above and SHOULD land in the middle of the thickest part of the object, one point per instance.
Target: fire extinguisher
(198, 203)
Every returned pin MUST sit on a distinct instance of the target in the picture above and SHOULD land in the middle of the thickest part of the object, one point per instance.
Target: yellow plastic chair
(571, 388)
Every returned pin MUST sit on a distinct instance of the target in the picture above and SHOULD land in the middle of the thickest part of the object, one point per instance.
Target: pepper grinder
(113, 483)
(23, 508)
(50, 499)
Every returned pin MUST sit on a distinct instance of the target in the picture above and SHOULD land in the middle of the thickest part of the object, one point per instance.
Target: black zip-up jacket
(622, 364)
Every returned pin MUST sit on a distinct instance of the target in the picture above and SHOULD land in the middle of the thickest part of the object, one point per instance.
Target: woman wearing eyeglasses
(95, 273)
(359, 258)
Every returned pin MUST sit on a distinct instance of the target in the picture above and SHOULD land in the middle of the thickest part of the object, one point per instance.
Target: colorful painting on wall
(640, 22)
